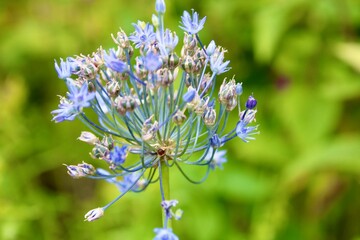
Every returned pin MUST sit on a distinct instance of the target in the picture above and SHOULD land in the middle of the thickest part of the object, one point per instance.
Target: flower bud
(140, 69)
(188, 64)
(251, 102)
(88, 137)
(108, 142)
(113, 88)
(121, 39)
(209, 116)
(201, 106)
(239, 89)
(231, 104)
(215, 141)
(164, 77)
(210, 48)
(94, 214)
(88, 70)
(205, 81)
(189, 95)
(188, 80)
(99, 151)
(80, 170)
(155, 20)
(124, 104)
(178, 214)
(149, 129)
(179, 117)
(248, 115)
(190, 42)
(227, 94)
(160, 6)
(173, 61)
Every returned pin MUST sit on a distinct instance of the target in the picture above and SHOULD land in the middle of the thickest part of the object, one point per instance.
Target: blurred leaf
(341, 155)
(341, 83)
(244, 184)
(308, 117)
(298, 54)
(270, 23)
(349, 53)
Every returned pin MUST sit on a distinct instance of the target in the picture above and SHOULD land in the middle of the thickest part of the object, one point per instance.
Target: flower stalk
(165, 189)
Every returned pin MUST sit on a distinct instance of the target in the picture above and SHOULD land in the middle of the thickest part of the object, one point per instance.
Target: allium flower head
(151, 111)
(192, 24)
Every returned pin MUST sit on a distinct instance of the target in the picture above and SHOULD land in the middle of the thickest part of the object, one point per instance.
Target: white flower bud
(94, 214)
(88, 137)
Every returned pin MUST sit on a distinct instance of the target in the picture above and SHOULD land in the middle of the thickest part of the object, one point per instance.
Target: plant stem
(165, 189)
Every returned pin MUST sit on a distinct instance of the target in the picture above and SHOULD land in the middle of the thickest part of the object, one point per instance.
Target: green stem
(165, 186)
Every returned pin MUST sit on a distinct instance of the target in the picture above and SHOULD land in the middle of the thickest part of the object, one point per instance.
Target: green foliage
(298, 180)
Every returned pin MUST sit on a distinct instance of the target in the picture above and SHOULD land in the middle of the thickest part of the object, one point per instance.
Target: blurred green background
(299, 180)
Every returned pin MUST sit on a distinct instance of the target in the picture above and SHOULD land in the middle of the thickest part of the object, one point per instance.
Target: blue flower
(64, 70)
(215, 141)
(192, 24)
(67, 111)
(160, 6)
(118, 155)
(71, 106)
(244, 132)
(211, 48)
(143, 35)
(164, 234)
(167, 205)
(218, 159)
(217, 65)
(189, 95)
(74, 64)
(80, 98)
(152, 61)
(111, 61)
(168, 42)
(130, 181)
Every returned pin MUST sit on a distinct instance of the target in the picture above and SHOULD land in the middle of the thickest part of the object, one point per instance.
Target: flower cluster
(155, 109)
